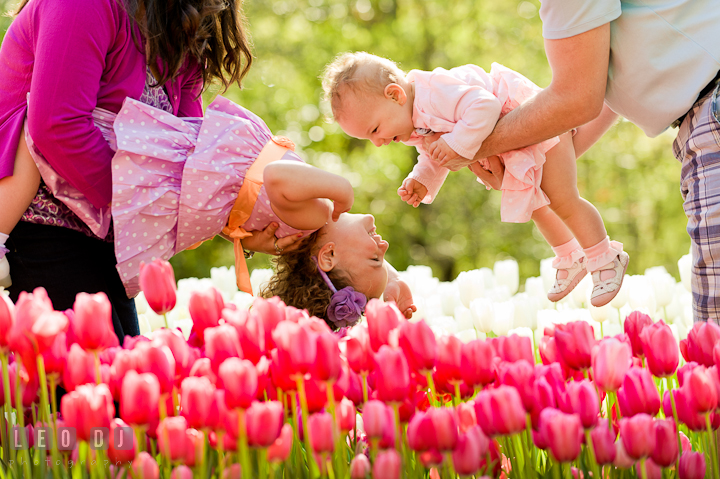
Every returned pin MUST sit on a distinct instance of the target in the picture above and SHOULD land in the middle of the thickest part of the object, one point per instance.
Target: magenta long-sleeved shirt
(73, 56)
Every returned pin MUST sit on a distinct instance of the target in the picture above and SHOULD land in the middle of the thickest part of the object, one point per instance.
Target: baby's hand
(412, 192)
(440, 151)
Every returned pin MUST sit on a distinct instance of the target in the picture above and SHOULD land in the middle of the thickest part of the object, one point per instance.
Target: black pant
(66, 262)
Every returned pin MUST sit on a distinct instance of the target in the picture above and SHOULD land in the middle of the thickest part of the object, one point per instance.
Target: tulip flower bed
(271, 392)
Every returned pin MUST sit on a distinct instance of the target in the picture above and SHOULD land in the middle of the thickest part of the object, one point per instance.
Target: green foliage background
(633, 180)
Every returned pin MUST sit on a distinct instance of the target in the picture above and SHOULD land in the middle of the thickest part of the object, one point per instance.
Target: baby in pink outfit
(447, 114)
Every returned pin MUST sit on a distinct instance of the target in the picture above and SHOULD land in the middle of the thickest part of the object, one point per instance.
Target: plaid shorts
(697, 147)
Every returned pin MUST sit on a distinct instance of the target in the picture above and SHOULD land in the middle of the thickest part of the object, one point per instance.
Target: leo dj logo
(100, 438)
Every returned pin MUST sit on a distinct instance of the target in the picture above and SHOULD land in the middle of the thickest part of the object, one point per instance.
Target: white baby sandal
(606, 286)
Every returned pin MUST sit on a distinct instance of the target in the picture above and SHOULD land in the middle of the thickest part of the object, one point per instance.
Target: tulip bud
(140, 398)
(194, 445)
(701, 390)
(701, 341)
(321, 430)
(584, 402)
(221, 342)
(500, 411)
(171, 437)
(603, 440)
(381, 319)
(271, 312)
(7, 319)
(92, 322)
(666, 446)
(514, 348)
(145, 467)
(638, 435)
(157, 281)
(327, 363)
(205, 309)
(611, 361)
(633, 325)
(471, 449)
(239, 379)
(445, 426)
(562, 432)
(375, 414)
(264, 423)
(280, 449)
(476, 363)
(392, 379)
(660, 349)
(358, 351)
(196, 396)
(387, 465)
(115, 454)
(86, 408)
(157, 359)
(574, 343)
(249, 326)
(692, 465)
(233, 472)
(419, 345)
(297, 347)
(359, 467)
(521, 376)
(80, 368)
(181, 472)
(345, 415)
(183, 355)
(638, 394)
(466, 416)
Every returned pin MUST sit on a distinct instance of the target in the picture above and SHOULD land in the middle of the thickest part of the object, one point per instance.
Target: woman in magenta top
(61, 60)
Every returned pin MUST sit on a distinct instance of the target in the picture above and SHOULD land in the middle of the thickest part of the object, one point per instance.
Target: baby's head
(349, 252)
(370, 97)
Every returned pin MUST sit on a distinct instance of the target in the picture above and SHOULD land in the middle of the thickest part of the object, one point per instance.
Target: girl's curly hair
(298, 283)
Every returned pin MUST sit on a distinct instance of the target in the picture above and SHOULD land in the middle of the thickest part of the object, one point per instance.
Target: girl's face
(358, 251)
(381, 119)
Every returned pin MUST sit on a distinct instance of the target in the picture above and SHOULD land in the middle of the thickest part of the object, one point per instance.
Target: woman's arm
(306, 197)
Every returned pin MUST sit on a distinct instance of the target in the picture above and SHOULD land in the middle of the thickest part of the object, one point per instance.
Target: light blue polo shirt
(662, 52)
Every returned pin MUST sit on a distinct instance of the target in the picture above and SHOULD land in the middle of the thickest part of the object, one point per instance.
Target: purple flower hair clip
(346, 306)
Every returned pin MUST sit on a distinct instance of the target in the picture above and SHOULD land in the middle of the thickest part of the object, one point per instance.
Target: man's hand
(264, 241)
(397, 290)
(412, 192)
(492, 177)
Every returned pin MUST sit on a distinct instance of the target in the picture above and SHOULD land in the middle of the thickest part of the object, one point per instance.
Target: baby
(447, 114)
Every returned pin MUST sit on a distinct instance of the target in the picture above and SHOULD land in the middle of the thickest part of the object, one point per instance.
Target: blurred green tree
(633, 180)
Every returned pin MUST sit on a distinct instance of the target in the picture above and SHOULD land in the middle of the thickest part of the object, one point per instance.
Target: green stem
(530, 446)
(140, 437)
(7, 407)
(677, 424)
(300, 381)
(591, 450)
(396, 411)
(567, 474)
(364, 376)
(98, 377)
(457, 399)
(643, 469)
(20, 412)
(243, 445)
(331, 473)
(166, 322)
(712, 446)
(221, 453)
(262, 463)
(431, 383)
(449, 462)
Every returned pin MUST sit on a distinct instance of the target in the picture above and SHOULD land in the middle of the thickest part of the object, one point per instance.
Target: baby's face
(381, 119)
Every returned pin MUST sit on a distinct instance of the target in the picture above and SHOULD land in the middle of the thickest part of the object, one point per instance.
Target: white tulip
(579, 295)
(685, 267)
(443, 323)
(621, 298)
(612, 329)
(603, 313)
(499, 294)
(243, 300)
(259, 278)
(526, 309)
(547, 273)
(547, 318)
(144, 325)
(421, 312)
(504, 312)
(185, 326)
(463, 318)
(141, 304)
(535, 287)
(224, 280)
(488, 277)
(642, 295)
(471, 285)
(507, 273)
(449, 297)
(663, 285)
(466, 335)
(483, 314)
(521, 331)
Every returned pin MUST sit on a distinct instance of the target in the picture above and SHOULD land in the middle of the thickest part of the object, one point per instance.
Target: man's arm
(574, 97)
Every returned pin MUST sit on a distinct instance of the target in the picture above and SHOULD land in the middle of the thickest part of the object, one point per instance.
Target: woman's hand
(492, 177)
(265, 242)
(397, 290)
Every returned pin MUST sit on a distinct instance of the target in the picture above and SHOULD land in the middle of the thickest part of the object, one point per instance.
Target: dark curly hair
(212, 32)
(298, 283)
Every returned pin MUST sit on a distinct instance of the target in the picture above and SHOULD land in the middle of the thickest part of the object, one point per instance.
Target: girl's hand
(492, 177)
(412, 192)
(441, 152)
(343, 205)
(397, 290)
(265, 242)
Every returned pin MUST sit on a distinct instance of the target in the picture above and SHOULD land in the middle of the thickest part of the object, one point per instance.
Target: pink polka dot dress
(175, 180)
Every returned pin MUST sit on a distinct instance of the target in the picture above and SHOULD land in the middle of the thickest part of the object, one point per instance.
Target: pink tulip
(28, 385)
(547, 347)
(264, 423)
(514, 348)
(157, 280)
(562, 432)
(55, 357)
(121, 455)
(387, 465)
(181, 472)
(638, 394)
(603, 440)
(171, 437)
(611, 361)
(375, 415)
(360, 467)
(271, 312)
(92, 322)
(145, 467)
(622, 459)
(633, 325)
(392, 379)
(205, 309)
(465, 416)
(471, 448)
(140, 398)
(251, 333)
(638, 435)
(381, 319)
(194, 446)
(692, 465)
(296, 346)
(500, 411)
(574, 343)
(584, 402)
(476, 363)
(447, 364)
(660, 349)
(21, 337)
(700, 343)
(203, 368)
(239, 379)
(419, 345)
(221, 342)
(80, 368)
(320, 428)
(445, 427)
(358, 351)
(7, 319)
(280, 449)
(652, 470)
(123, 362)
(86, 408)
(328, 362)
(666, 446)
(182, 353)
(686, 413)
(701, 390)
(521, 376)
(421, 432)
(157, 359)
(544, 396)
(196, 396)
(233, 472)
(345, 415)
